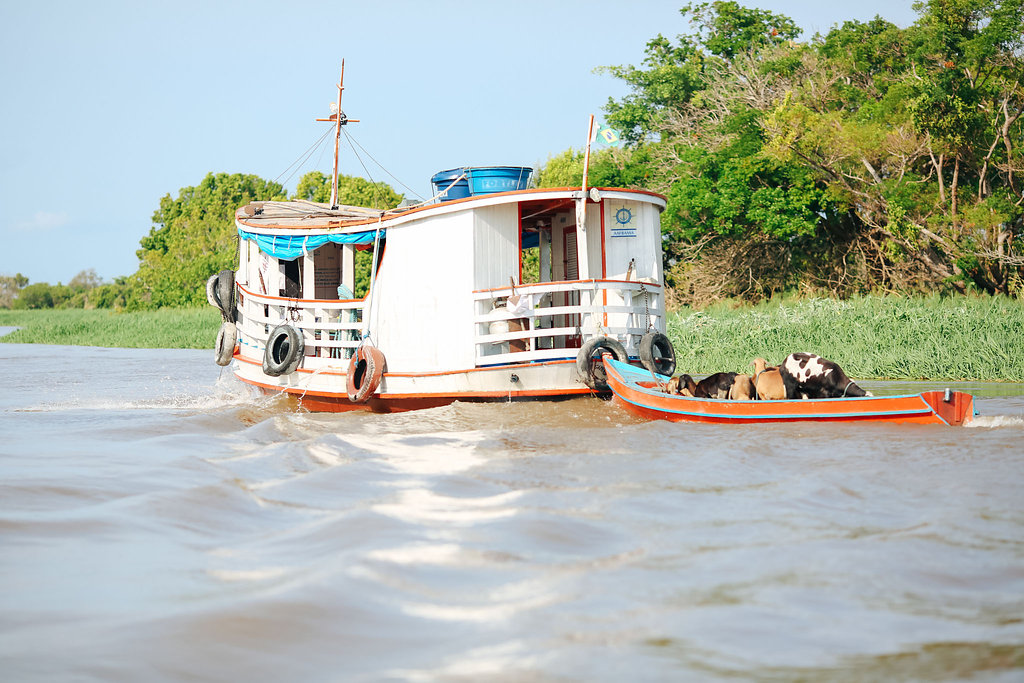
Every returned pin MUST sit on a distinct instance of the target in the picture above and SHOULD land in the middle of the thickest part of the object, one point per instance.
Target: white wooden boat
(447, 316)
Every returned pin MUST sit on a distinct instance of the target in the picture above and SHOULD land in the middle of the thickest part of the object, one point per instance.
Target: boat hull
(635, 391)
(325, 390)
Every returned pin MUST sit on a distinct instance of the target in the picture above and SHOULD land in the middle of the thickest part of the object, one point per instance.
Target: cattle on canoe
(742, 389)
(768, 384)
(715, 386)
(728, 385)
(807, 375)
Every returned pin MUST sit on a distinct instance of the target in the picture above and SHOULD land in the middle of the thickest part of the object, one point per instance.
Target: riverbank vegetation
(876, 337)
(873, 158)
(171, 328)
(888, 337)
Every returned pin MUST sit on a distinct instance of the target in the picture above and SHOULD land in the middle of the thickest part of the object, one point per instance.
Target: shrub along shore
(890, 337)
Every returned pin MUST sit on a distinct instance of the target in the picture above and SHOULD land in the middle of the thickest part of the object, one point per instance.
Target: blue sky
(109, 106)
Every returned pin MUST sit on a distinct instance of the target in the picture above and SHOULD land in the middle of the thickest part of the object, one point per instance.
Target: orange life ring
(365, 371)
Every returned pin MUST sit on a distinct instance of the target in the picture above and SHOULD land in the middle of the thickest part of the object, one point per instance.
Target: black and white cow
(807, 375)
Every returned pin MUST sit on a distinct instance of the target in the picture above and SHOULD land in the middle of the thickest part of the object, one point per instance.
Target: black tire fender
(657, 354)
(224, 349)
(224, 294)
(211, 285)
(285, 348)
(589, 369)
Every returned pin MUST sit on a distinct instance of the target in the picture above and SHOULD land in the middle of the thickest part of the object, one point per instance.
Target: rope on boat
(353, 143)
(442, 193)
(371, 295)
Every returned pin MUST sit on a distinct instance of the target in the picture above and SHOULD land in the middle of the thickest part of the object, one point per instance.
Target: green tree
(193, 237)
(37, 295)
(873, 157)
(608, 168)
(727, 28)
(674, 74)
(10, 285)
(85, 280)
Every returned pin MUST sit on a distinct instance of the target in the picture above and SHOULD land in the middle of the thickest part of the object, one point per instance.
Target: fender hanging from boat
(284, 351)
(365, 371)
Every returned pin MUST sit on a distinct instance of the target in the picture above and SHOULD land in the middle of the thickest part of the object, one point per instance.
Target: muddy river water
(160, 522)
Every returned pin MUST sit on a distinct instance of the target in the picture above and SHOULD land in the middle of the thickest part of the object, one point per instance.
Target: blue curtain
(291, 247)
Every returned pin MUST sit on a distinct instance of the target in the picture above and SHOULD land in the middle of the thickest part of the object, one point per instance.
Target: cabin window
(572, 264)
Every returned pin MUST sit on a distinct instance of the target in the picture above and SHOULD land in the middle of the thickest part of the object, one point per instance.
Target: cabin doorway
(292, 271)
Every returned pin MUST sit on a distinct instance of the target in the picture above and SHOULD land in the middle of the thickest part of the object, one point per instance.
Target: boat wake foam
(989, 421)
(226, 392)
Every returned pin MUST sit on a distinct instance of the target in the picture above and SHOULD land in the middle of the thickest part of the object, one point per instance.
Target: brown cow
(768, 383)
(742, 389)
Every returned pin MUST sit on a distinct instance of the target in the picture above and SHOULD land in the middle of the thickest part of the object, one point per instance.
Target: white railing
(558, 318)
(560, 315)
(330, 328)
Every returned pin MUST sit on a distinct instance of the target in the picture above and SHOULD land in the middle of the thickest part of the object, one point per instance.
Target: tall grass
(958, 338)
(173, 328)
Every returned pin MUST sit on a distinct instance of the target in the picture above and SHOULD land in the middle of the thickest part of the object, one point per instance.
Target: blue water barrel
(487, 179)
(447, 180)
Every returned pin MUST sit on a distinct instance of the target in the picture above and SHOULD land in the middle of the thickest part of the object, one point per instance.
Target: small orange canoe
(637, 391)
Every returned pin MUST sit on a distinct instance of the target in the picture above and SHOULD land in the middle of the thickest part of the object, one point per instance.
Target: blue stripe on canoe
(797, 416)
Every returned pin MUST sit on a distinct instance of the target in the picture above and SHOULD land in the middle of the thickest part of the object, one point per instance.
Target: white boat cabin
(448, 293)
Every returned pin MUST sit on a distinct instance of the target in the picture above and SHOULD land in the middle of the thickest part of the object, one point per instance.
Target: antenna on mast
(339, 119)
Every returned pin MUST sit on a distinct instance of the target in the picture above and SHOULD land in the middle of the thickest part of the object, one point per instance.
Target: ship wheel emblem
(623, 216)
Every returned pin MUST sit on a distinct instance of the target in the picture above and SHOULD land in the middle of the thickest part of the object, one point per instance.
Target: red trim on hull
(327, 401)
(439, 373)
(396, 403)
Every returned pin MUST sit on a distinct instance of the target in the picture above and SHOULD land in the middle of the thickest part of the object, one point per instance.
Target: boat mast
(339, 119)
(337, 139)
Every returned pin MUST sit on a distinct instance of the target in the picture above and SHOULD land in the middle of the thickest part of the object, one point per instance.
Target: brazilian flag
(608, 136)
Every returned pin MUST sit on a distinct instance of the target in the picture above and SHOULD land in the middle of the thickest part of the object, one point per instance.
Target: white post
(308, 277)
(581, 213)
(545, 255)
(348, 266)
(586, 157)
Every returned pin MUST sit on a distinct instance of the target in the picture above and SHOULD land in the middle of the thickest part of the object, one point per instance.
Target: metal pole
(586, 158)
